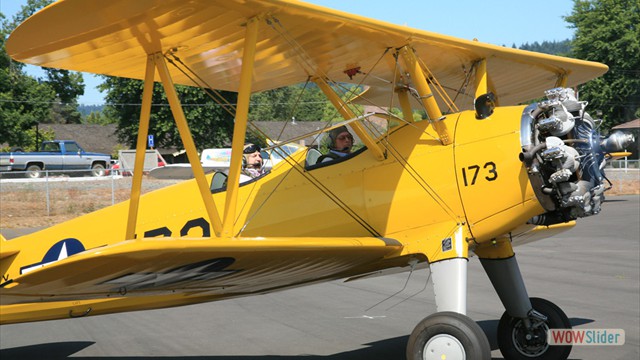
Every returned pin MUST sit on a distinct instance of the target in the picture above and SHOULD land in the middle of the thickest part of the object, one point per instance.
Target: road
(591, 271)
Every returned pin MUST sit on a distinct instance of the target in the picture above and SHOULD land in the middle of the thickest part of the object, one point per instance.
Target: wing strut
(187, 140)
(347, 114)
(240, 127)
(562, 80)
(405, 104)
(412, 65)
(157, 61)
(141, 145)
(483, 81)
(481, 78)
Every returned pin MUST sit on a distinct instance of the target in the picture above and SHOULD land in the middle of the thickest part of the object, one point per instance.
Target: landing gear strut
(449, 334)
(523, 329)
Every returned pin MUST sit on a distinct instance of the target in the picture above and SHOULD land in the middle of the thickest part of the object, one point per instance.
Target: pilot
(341, 144)
(252, 161)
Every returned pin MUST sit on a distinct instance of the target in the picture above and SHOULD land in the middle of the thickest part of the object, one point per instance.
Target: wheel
(98, 170)
(448, 335)
(33, 171)
(515, 343)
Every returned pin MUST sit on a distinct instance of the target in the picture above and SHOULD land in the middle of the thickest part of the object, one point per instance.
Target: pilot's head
(252, 156)
(341, 139)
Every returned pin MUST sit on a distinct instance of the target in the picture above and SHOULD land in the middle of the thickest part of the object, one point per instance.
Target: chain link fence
(624, 164)
(56, 197)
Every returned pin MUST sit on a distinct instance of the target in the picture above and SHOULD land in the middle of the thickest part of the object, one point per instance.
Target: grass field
(29, 203)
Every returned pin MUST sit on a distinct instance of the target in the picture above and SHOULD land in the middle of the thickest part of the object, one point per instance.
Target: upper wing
(296, 40)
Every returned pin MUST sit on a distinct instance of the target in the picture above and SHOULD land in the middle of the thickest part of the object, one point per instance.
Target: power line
(158, 105)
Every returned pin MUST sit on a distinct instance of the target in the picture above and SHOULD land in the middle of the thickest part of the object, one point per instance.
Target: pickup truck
(57, 155)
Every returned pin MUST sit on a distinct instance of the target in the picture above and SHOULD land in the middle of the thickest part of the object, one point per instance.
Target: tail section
(4, 251)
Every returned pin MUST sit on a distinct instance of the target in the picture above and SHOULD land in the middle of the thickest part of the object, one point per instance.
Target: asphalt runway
(592, 272)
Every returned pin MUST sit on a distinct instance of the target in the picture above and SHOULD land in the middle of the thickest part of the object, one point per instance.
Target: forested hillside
(562, 48)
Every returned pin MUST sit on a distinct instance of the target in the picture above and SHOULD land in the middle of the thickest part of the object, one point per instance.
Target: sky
(499, 22)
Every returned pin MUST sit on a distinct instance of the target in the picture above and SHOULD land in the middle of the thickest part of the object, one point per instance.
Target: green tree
(210, 124)
(23, 100)
(331, 114)
(23, 103)
(30, 8)
(68, 86)
(305, 102)
(608, 31)
(97, 118)
(562, 48)
(26, 101)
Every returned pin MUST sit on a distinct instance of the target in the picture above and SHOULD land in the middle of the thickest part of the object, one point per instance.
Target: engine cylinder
(564, 155)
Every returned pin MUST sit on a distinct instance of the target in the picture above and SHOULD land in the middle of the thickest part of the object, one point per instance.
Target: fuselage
(420, 192)
(422, 195)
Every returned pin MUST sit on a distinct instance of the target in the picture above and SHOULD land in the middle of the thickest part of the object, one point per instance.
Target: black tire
(514, 345)
(33, 171)
(445, 334)
(98, 170)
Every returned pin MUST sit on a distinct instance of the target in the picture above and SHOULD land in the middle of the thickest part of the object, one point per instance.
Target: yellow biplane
(478, 176)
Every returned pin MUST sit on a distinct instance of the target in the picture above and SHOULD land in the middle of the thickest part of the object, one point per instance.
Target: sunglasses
(251, 149)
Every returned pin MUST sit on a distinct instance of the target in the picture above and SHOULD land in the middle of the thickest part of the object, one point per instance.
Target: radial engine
(565, 156)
